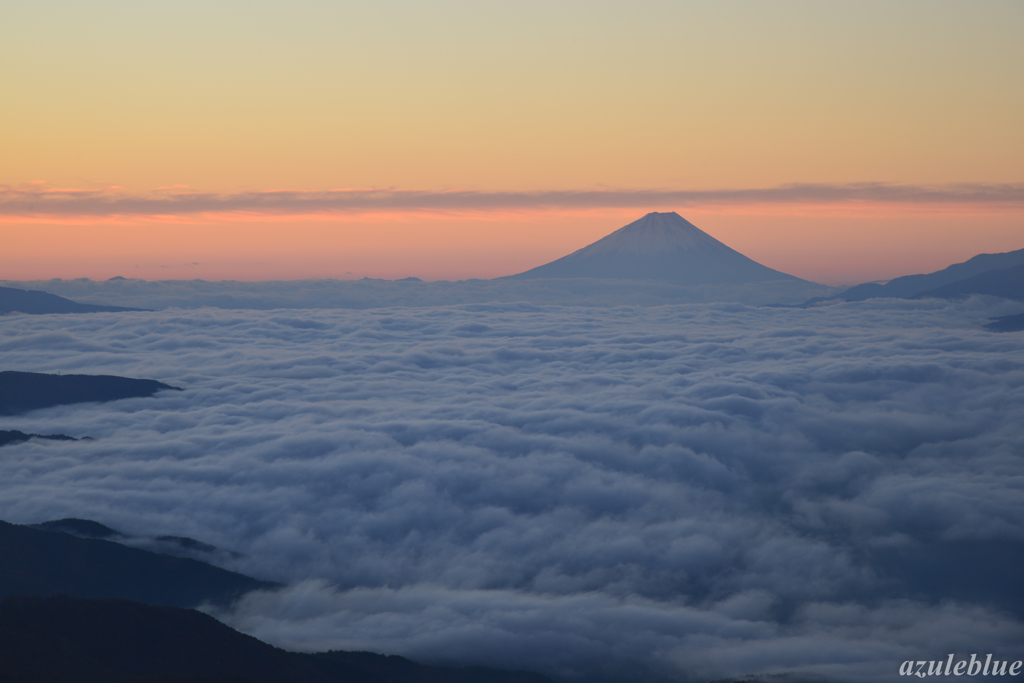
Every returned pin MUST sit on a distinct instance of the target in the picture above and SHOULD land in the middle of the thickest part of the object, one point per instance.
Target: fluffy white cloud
(682, 491)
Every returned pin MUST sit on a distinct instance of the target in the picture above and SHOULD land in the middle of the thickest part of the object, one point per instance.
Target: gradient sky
(477, 139)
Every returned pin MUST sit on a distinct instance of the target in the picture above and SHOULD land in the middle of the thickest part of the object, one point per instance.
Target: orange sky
(511, 102)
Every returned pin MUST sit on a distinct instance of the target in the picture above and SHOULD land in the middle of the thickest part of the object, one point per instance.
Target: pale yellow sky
(236, 97)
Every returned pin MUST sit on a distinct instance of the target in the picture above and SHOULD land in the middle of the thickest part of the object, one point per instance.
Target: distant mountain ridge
(1007, 283)
(659, 246)
(31, 301)
(909, 286)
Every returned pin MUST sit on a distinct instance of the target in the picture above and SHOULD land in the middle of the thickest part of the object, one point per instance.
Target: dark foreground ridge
(24, 391)
(84, 528)
(165, 545)
(68, 640)
(774, 678)
(14, 300)
(36, 561)
(9, 436)
(659, 246)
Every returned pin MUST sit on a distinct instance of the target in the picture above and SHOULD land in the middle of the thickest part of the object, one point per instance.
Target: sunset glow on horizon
(839, 143)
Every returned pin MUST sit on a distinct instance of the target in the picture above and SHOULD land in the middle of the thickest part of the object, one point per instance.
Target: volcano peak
(659, 246)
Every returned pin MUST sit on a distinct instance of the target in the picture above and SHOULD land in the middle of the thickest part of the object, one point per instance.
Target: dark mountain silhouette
(9, 436)
(402, 670)
(776, 678)
(909, 286)
(187, 543)
(980, 572)
(24, 391)
(84, 528)
(32, 301)
(659, 246)
(1007, 323)
(68, 640)
(35, 561)
(181, 546)
(1007, 283)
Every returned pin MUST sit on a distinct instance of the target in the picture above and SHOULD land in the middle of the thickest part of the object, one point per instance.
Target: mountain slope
(24, 391)
(909, 286)
(179, 546)
(83, 528)
(1005, 282)
(659, 246)
(31, 301)
(38, 562)
(68, 640)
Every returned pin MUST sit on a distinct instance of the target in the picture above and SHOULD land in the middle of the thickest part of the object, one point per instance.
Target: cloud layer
(267, 295)
(676, 492)
(39, 199)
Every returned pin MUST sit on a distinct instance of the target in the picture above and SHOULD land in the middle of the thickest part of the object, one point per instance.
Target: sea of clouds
(600, 494)
(411, 292)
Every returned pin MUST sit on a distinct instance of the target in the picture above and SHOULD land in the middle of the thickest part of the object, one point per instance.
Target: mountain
(909, 286)
(39, 562)
(1007, 283)
(83, 528)
(181, 546)
(659, 246)
(80, 609)
(67, 640)
(31, 301)
(24, 391)
(1007, 323)
(9, 436)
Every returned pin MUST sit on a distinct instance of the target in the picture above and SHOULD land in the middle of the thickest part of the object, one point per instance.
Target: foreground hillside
(69, 640)
(39, 562)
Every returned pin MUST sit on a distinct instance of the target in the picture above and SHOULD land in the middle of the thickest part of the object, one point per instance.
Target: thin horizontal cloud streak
(35, 199)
